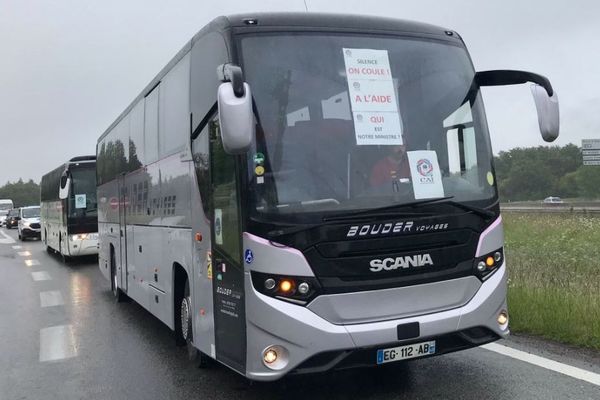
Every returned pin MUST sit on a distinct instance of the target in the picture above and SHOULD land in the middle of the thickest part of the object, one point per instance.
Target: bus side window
(201, 165)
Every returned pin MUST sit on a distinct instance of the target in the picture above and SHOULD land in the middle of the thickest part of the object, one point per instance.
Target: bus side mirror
(65, 183)
(236, 119)
(547, 110)
(544, 96)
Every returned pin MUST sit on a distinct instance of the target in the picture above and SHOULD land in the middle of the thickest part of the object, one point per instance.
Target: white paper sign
(372, 97)
(376, 128)
(425, 174)
(80, 201)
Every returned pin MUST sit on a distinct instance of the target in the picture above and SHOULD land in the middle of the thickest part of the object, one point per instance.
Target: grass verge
(554, 276)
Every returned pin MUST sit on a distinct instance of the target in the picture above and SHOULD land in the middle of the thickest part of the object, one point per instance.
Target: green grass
(554, 276)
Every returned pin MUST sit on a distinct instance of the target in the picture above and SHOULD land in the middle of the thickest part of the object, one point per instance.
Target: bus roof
(331, 21)
(294, 21)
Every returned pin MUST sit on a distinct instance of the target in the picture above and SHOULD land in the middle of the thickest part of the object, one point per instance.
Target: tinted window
(136, 137)
(174, 116)
(151, 126)
(201, 164)
(226, 221)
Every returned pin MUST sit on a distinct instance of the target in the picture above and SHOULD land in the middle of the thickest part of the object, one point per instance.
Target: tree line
(532, 173)
(535, 173)
(21, 193)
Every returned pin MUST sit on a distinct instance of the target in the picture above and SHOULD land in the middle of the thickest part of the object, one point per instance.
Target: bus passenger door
(228, 270)
(123, 206)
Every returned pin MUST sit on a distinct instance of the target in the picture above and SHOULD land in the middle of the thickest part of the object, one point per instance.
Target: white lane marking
(40, 276)
(16, 247)
(24, 253)
(7, 239)
(57, 343)
(30, 263)
(552, 365)
(51, 298)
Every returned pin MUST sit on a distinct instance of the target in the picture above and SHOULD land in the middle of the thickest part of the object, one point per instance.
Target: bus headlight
(79, 236)
(294, 289)
(487, 264)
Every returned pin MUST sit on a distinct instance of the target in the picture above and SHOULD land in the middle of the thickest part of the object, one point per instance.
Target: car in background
(12, 218)
(29, 222)
(552, 200)
(5, 205)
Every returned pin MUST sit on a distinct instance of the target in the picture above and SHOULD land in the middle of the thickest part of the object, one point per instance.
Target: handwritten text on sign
(372, 97)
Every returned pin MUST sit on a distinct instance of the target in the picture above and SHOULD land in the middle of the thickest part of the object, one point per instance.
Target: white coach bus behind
(69, 210)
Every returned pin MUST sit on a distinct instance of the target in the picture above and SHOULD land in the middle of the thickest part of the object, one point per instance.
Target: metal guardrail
(551, 209)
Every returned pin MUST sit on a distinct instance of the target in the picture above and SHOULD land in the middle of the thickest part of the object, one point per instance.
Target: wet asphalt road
(92, 348)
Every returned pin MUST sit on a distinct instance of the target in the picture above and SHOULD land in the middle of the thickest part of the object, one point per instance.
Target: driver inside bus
(393, 167)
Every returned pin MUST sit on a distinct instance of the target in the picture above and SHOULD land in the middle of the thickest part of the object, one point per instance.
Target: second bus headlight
(79, 236)
(295, 289)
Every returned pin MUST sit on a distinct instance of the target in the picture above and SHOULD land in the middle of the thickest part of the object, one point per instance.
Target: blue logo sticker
(248, 256)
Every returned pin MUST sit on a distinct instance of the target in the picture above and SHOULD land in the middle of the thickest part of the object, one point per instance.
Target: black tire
(66, 259)
(183, 334)
(116, 291)
(184, 330)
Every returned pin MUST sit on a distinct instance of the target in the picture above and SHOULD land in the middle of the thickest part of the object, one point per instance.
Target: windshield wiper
(476, 210)
(377, 211)
(285, 228)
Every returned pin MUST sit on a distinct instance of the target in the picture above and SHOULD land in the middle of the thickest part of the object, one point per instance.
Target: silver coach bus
(301, 192)
(69, 210)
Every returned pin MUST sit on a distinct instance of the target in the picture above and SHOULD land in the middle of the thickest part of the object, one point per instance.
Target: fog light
(303, 288)
(481, 266)
(275, 357)
(270, 284)
(489, 261)
(497, 256)
(270, 356)
(503, 318)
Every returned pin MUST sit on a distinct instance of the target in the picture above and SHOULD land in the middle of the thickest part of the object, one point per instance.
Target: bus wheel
(116, 291)
(184, 332)
(48, 249)
(66, 259)
(185, 316)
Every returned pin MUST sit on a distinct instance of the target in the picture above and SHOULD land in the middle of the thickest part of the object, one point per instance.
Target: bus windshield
(82, 200)
(350, 122)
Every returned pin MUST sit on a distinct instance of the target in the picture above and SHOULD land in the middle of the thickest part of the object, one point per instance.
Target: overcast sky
(69, 67)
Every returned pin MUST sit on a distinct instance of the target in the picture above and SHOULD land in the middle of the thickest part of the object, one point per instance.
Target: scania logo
(389, 264)
(379, 229)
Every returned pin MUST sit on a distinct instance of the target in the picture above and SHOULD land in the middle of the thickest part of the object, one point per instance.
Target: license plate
(405, 352)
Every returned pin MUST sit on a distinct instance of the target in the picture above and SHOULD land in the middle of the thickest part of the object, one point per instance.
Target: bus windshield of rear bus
(82, 199)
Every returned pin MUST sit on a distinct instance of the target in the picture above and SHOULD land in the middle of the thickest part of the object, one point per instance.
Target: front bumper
(315, 344)
(83, 247)
(27, 231)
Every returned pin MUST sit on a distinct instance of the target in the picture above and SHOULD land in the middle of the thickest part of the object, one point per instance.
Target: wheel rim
(185, 317)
